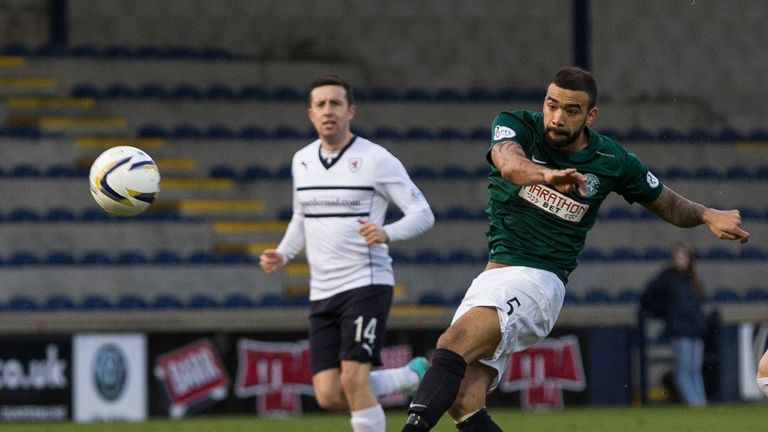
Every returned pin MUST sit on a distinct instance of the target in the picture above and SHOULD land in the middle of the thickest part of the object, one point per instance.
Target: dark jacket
(671, 296)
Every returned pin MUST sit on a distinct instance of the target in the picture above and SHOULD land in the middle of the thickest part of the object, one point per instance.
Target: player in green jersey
(549, 174)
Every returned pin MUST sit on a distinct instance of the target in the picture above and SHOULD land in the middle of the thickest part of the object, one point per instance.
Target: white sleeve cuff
(410, 225)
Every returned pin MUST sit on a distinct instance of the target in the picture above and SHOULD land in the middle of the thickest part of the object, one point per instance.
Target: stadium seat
(620, 213)
(730, 135)
(23, 214)
(432, 298)
(256, 172)
(758, 134)
(419, 133)
(424, 172)
(22, 303)
(131, 301)
(118, 91)
(60, 170)
(448, 94)
(236, 301)
(186, 131)
(701, 135)
(220, 91)
(655, 253)
(166, 257)
(628, 295)
(59, 302)
(117, 52)
(287, 132)
(152, 91)
(221, 132)
(624, 254)
(253, 92)
(167, 301)
(386, 133)
(571, 298)
(756, 294)
(94, 214)
(707, 173)
(479, 94)
(417, 94)
(60, 214)
(456, 172)
(671, 134)
(95, 257)
(639, 134)
(23, 258)
(201, 257)
(383, 94)
(130, 257)
(592, 254)
(450, 133)
(286, 94)
(152, 130)
(428, 256)
(738, 173)
(222, 171)
(186, 91)
(95, 302)
(399, 256)
(597, 296)
(83, 90)
(718, 253)
(678, 172)
(271, 300)
(235, 258)
(202, 301)
(254, 132)
(25, 170)
(752, 253)
(726, 295)
(461, 256)
(61, 258)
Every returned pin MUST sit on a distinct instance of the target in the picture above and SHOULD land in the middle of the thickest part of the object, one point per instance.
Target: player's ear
(591, 115)
(352, 110)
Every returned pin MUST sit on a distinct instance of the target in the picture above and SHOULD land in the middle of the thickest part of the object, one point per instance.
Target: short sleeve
(638, 183)
(510, 127)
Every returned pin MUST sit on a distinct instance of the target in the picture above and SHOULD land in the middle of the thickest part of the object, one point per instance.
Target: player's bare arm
(682, 212)
(515, 167)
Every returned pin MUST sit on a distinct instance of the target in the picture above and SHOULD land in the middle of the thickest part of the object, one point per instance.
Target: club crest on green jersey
(592, 183)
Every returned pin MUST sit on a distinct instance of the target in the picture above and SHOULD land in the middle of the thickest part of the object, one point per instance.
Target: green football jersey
(537, 226)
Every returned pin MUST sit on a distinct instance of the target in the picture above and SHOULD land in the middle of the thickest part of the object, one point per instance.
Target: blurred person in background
(342, 185)
(677, 296)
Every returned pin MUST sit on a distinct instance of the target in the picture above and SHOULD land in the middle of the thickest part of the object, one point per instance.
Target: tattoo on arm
(676, 209)
(510, 159)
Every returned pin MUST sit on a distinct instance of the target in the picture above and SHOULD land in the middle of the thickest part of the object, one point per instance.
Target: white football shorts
(528, 302)
(762, 383)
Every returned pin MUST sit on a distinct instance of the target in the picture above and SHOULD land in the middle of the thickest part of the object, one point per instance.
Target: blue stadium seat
(726, 295)
(117, 52)
(451, 133)
(624, 254)
(60, 214)
(237, 301)
(287, 93)
(59, 302)
(62, 257)
(628, 295)
(22, 303)
(85, 90)
(655, 253)
(707, 173)
(23, 214)
(730, 134)
(215, 53)
(131, 301)
(84, 51)
(461, 256)
(612, 133)
(416, 94)
(95, 257)
(221, 132)
(383, 94)
(428, 256)
(118, 91)
(149, 52)
(448, 94)
(419, 133)
(424, 172)
(167, 301)
(186, 91)
(700, 135)
(220, 91)
(460, 213)
(283, 172)
(94, 214)
(201, 257)
(202, 301)
(24, 258)
(186, 131)
(166, 257)
(130, 257)
(25, 170)
(738, 173)
(95, 302)
(620, 213)
(287, 132)
(253, 92)
(432, 298)
(480, 94)
(671, 134)
(152, 91)
(750, 213)
(718, 253)
(254, 132)
(752, 253)
(386, 133)
(256, 172)
(678, 172)
(592, 254)
(152, 130)
(759, 134)
(271, 300)
(597, 296)
(399, 256)
(60, 170)
(222, 171)
(181, 52)
(639, 134)
(456, 172)
(757, 294)
(236, 258)
(571, 298)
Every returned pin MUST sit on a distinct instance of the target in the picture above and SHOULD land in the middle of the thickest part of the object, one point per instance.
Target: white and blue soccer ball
(124, 180)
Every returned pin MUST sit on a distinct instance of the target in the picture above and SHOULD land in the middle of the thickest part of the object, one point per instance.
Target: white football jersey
(330, 199)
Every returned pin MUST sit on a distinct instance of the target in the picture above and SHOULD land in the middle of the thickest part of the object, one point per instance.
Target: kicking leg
(468, 411)
(475, 335)
(406, 378)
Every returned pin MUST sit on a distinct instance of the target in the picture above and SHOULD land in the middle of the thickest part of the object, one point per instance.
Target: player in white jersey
(342, 185)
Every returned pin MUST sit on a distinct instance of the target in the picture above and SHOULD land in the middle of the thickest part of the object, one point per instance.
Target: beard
(562, 139)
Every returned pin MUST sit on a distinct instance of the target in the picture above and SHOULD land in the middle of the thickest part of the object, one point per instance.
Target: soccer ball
(124, 180)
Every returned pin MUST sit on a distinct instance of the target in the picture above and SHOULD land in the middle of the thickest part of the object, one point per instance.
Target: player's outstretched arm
(271, 260)
(509, 158)
(682, 212)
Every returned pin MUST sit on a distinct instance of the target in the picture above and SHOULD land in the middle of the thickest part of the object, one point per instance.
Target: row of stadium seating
(286, 93)
(418, 172)
(122, 52)
(422, 256)
(592, 296)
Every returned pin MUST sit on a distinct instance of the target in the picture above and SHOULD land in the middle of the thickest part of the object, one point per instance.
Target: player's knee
(330, 399)
(353, 379)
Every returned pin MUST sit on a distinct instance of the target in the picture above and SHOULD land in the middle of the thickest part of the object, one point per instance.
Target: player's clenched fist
(271, 260)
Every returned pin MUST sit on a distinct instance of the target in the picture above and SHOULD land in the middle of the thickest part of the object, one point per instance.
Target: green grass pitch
(714, 418)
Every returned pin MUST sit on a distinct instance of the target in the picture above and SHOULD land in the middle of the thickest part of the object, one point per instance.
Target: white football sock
(369, 419)
(387, 381)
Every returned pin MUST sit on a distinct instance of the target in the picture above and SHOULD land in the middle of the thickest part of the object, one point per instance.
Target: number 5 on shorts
(511, 306)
